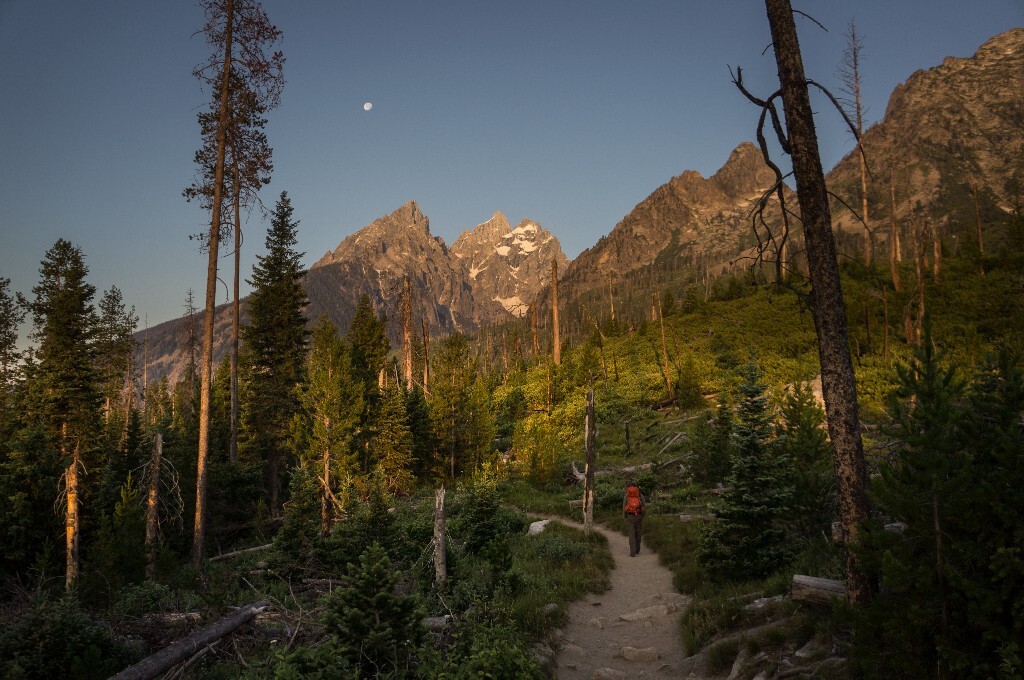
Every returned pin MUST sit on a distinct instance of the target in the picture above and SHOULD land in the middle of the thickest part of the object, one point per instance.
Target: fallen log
(236, 553)
(696, 518)
(817, 590)
(185, 648)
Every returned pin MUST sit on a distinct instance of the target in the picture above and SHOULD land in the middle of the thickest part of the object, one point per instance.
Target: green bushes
(57, 639)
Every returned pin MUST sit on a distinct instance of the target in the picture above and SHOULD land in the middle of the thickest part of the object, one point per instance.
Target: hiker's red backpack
(634, 505)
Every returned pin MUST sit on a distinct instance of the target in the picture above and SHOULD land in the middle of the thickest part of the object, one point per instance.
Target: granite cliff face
(375, 260)
(946, 127)
(509, 266)
(702, 222)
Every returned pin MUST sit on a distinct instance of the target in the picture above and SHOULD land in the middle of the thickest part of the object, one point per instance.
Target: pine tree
(367, 334)
(392, 446)
(802, 436)
(750, 538)
(64, 381)
(332, 402)
(373, 626)
(11, 315)
(275, 346)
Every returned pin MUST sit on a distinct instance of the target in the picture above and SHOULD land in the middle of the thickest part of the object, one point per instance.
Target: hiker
(633, 506)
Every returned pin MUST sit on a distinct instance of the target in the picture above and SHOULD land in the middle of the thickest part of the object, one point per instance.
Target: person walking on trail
(633, 506)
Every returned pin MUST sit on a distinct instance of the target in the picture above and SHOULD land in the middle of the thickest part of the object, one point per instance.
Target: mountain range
(950, 133)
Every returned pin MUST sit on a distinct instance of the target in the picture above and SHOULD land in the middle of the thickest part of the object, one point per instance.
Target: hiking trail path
(629, 631)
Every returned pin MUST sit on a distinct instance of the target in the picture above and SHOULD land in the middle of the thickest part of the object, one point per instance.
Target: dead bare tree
(849, 76)
(407, 334)
(556, 343)
(894, 240)
(839, 387)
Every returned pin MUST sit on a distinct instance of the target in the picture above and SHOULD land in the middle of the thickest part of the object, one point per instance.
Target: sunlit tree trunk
(153, 507)
(235, 317)
(894, 241)
(199, 529)
(556, 344)
(407, 335)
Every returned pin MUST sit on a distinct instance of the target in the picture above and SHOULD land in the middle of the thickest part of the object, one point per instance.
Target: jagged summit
(508, 266)
(405, 229)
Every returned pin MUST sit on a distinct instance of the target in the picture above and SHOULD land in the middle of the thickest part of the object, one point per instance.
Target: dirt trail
(630, 630)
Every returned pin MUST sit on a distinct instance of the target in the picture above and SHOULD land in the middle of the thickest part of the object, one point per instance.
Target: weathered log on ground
(817, 590)
(696, 518)
(183, 649)
(236, 553)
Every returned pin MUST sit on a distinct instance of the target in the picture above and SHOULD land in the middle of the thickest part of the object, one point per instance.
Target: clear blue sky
(568, 112)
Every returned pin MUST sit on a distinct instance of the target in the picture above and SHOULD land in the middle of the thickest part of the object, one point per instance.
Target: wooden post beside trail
(588, 481)
(440, 562)
(153, 506)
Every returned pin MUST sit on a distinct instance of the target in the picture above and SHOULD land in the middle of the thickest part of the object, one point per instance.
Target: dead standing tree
(849, 76)
(241, 35)
(799, 140)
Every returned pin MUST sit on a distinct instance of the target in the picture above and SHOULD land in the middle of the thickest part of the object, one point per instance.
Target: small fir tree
(373, 626)
(802, 436)
(392, 447)
(750, 538)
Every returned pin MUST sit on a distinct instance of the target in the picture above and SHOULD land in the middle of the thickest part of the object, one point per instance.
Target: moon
(367, 106)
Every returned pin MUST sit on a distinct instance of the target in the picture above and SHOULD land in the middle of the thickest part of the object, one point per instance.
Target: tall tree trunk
(936, 253)
(199, 529)
(885, 318)
(235, 317)
(556, 343)
(611, 297)
(839, 385)
(71, 519)
(977, 225)
(588, 475)
(664, 345)
(407, 335)
(533, 329)
(894, 241)
(920, 264)
(325, 494)
(440, 540)
(153, 507)
(426, 356)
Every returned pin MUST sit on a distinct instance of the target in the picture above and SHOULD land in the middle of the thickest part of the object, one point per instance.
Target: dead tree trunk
(920, 263)
(894, 241)
(426, 356)
(885, 320)
(977, 225)
(407, 335)
(588, 482)
(556, 343)
(71, 519)
(440, 543)
(183, 649)
(533, 329)
(664, 346)
(326, 514)
(936, 253)
(153, 507)
(838, 382)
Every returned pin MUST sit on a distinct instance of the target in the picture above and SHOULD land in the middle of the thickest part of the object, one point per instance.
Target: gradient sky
(569, 112)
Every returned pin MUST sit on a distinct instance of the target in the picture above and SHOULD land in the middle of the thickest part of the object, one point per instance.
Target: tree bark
(71, 520)
(199, 529)
(839, 385)
(533, 329)
(235, 317)
(153, 507)
(426, 356)
(440, 543)
(407, 335)
(588, 472)
(936, 253)
(556, 343)
(894, 242)
(180, 650)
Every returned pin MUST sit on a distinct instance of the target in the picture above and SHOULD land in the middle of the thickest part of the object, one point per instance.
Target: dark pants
(633, 523)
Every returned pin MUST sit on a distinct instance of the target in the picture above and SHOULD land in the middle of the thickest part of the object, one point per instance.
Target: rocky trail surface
(629, 631)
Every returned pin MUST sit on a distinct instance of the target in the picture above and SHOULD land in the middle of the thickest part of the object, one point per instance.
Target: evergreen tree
(373, 626)
(11, 315)
(750, 538)
(367, 334)
(64, 381)
(115, 346)
(952, 579)
(332, 402)
(275, 347)
(460, 416)
(392, 446)
(802, 436)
